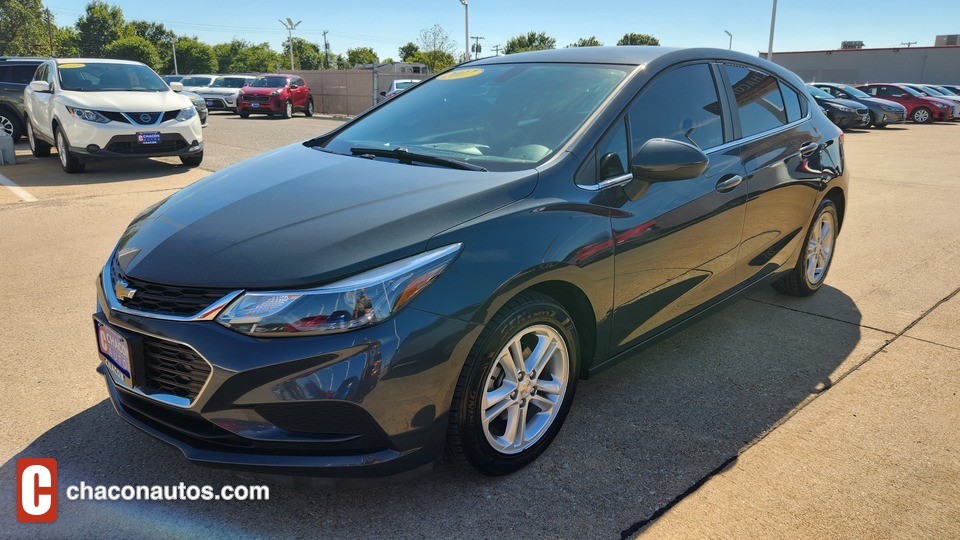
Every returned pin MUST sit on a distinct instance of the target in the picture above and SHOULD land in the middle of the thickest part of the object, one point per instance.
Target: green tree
(435, 42)
(591, 41)
(307, 55)
(228, 52)
(339, 62)
(158, 35)
(532, 41)
(102, 24)
(66, 42)
(435, 60)
(23, 28)
(255, 59)
(638, 39)
(361, 55)
(134, 48)
(408, 51)
(195, 57)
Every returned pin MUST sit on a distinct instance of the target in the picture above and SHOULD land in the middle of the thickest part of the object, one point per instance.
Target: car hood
(127, 101)
(298, 217)
(879, 101)
(844, 102)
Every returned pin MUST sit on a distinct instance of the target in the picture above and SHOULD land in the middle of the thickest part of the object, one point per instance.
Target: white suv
(222, 93)
(92, 109)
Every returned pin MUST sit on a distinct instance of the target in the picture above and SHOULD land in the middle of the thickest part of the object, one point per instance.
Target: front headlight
(362, 300)
(890, 108)
(942, 105)
(88, 115)
(841, 108)
(186, 113)
(275, 93)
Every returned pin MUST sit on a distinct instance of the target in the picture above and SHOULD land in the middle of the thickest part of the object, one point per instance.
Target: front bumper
(271, 105)
(845, 120)
(886, 117)
(118, 140)
(220, 102)
(371, 402)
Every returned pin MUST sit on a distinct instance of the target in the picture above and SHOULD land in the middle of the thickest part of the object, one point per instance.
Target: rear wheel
(10, 125)
(37, 147)
(516, 387)
(68, 161)
(921, 115)
(811, 270)
(309, 111)
(192, 160)
(288, 110)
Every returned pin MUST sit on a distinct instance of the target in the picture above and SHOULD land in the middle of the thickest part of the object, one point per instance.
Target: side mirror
(666, 160)
(176, 86)
(293, 86)
(384, 94)
(246, 84)
(40, 86)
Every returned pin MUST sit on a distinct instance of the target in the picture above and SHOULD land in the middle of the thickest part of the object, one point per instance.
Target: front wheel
(193, 160)
(811, 270)
(244, 115)
(921, 115)
(516, 387)
(70, 163)
(37, 147)
(288, 110)
(309, 112)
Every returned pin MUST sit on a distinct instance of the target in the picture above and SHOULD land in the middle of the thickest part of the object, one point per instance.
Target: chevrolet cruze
(440, 271)
(105, 109)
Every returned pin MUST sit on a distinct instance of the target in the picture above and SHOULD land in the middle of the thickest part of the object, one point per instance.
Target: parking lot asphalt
(834, 415)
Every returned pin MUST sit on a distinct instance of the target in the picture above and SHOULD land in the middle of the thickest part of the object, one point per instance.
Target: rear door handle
(729, 182)
(808, 149)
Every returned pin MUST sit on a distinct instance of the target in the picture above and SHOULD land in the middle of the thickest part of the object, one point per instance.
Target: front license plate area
(148, 137)
(255, 105)
(115, 350)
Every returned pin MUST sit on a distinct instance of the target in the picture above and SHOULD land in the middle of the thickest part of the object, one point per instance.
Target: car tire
(525, 405)
(244, 115)
(70, 163)
(921, 115)
(811, 270)
(288, 109)
(37, 147)
(10, 125)
(309, 111)
(193, 160)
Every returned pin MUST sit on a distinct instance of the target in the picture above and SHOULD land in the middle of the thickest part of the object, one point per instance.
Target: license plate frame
(255, 105)
(115, 350)
(148, 137)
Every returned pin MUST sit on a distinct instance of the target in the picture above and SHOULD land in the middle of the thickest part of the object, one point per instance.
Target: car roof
(630, 55)
(61, 61)
(31, 59)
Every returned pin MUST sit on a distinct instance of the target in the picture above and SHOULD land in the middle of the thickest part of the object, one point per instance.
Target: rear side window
(682, 104)
(759, 100)
(19, 73)
(791, 101)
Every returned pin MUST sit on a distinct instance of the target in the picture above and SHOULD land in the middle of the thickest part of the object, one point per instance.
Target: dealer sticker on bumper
(115, 351)
(148, 137)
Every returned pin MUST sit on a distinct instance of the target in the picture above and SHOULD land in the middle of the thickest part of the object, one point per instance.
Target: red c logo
(37, 490)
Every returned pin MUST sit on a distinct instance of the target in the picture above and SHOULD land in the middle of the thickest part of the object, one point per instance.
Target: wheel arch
(839, 199)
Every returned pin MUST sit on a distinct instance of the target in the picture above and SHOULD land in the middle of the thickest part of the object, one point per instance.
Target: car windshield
(228, 82)
(404, 85)
(912, 92)
(930, 90)
(269, 82)
(196, 81)
(854, 92)
(818, 93)
(952, 89)
(109, 77)
(501, 117)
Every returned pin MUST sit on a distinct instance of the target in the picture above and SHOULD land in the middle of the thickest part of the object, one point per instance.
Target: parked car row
(270, 94)
(881, 104)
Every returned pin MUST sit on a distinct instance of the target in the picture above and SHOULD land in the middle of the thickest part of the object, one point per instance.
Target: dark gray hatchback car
(15, 74)
(442, 270)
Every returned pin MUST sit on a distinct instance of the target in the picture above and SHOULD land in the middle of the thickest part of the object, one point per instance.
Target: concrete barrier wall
(347, 92)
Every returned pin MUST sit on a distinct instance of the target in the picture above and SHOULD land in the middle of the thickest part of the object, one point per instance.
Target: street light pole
(773, 24)
(466, 30)
(731, 40)
(290, 26)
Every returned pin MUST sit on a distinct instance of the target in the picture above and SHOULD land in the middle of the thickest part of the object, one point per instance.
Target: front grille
(173, 368)
(144, 118)
(216, 103)
(166, 299)
(862, 111)
(115, 116)
(261, 99)
(127, 144)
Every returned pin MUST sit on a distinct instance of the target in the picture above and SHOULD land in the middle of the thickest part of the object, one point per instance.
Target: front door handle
(729, 182)
(808, 149)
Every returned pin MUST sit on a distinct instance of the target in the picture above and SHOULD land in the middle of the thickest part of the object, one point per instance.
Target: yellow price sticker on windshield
(68, 66)
(460, 74)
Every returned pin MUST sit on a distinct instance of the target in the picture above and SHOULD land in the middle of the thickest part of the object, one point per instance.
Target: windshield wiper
(403, 155)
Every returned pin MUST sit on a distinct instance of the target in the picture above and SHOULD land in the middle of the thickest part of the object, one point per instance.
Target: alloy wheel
(920, 116)
(6, 126)
(61, 149)
(820, 247)
(524, 389)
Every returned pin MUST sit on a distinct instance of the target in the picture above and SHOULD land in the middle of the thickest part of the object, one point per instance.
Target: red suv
(271, 94)
(921, 109)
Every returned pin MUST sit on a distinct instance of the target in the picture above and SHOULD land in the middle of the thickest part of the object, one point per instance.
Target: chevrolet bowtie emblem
(122, 290)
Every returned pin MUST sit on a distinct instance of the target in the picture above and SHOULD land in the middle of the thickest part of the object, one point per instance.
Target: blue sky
(386, 25)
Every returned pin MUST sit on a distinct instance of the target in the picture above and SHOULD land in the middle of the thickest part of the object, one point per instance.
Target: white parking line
(17, 190)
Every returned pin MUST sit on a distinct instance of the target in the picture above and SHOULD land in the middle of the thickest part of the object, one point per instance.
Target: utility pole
(326, 51)
(773, 24)
(174, 43)
(909, 43)
(290, 26)
(496, 50)
(50, 30)
(731, 40)
(476, 46)
(466, 30)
